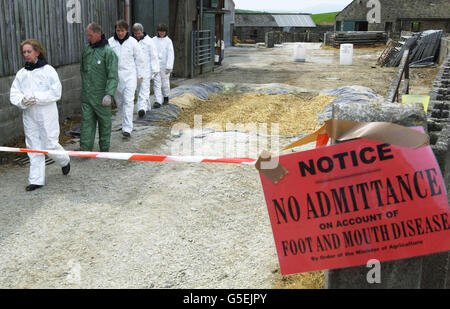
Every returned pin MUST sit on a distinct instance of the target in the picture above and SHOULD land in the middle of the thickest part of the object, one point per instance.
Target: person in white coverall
(36, 89)
(132, 69)
(166, 54)
(149, 49)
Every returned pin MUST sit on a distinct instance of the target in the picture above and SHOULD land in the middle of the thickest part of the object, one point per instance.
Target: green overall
(99, 74)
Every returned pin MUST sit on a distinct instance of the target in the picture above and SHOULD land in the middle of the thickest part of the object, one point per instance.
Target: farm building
(254, 27)
(185, 18)
(396, 16)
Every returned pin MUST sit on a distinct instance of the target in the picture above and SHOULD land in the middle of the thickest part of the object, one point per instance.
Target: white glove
(139, 81)
(168, 71)
(107, 100)
(28, 102)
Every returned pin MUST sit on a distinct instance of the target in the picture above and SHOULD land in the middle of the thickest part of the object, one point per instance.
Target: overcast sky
(288, 5)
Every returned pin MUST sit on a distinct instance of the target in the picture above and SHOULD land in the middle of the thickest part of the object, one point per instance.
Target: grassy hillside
(324, 17)
(317, 18)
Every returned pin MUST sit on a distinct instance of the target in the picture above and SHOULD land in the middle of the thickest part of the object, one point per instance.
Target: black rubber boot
(166, 101)
(156, 105)
(33, 187)
(141, 113)
(66, 169)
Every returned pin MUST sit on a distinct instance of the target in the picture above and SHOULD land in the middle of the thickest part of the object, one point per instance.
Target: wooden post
(392, 93)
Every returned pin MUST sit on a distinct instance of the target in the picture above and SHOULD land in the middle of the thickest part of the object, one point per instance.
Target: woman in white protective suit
(132, 70)
(149, 49)
(166, 54)
(35, 90)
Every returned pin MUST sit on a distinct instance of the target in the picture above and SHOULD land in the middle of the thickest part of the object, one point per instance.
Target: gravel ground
(321, 70)
(121, 224)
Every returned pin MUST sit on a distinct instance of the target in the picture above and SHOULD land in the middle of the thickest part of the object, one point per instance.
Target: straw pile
(294, 113)
(312, 280)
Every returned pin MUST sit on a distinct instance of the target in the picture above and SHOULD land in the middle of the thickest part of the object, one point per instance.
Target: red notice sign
(346, 204)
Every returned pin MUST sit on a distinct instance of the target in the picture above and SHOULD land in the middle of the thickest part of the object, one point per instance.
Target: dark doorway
(388, 27)
(362, 26)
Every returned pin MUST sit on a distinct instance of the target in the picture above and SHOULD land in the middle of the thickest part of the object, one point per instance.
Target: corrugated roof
(294, 21)
(273, 20)
(254, 20)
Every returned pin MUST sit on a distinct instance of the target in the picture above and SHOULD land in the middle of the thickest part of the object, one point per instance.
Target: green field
(324, 17)
(317, 18)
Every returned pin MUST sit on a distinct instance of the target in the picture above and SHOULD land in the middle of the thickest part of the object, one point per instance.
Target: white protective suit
(166, 54)
(132, 65)
(149, 49)
(40, 121)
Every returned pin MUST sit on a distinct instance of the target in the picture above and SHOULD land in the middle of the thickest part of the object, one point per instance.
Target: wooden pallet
(387, 52)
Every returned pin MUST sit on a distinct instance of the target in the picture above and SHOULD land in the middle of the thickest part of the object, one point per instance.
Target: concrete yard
(121, 224)
(321, 71)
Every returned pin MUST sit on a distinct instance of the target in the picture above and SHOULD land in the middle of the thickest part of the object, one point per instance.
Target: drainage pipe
(127, 10)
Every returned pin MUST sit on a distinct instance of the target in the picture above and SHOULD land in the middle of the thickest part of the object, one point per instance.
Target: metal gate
(202, 49)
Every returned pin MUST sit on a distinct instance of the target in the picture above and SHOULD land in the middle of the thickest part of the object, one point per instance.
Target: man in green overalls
(99, 74)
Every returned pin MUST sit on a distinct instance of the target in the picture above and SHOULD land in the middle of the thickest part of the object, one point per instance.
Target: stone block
(408, 115)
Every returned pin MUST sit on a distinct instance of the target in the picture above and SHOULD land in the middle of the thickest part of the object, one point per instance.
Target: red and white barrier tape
(136, 156)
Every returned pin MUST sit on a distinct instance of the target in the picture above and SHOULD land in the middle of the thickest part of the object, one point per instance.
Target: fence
(47, 21)
(202, 49)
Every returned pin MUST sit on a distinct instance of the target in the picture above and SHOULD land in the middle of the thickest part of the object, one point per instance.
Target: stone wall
(11, 126)
(445, 49)
(401, 14)
(439, 119)
(423, 272)
(354, 11)
(258, 34)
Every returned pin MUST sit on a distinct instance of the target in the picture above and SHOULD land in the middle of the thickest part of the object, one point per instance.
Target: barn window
(415, 26)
